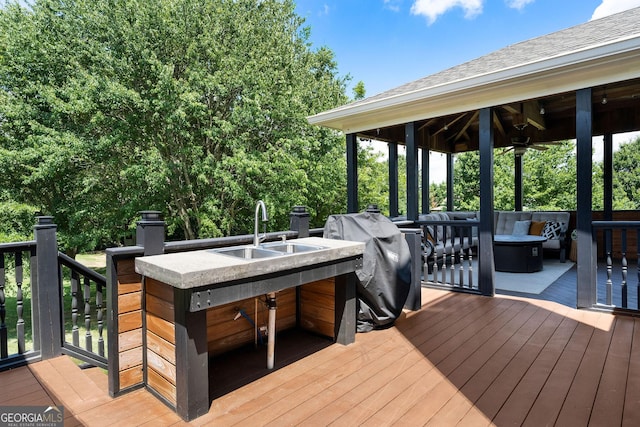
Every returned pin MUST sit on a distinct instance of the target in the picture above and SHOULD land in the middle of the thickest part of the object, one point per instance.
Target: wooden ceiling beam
(463, 131)
(429, 123)
(526, 113)
(499, 126)
(531, 111)
(448, 124)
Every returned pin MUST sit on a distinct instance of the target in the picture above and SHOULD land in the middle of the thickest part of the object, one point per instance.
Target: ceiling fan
(520, 144)
(522, 115)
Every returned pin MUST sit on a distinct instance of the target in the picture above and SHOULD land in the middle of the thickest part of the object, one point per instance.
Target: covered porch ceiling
(530, 87)
(616, 109)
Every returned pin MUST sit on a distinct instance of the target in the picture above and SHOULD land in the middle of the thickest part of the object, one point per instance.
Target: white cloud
(518, 4)
(609, 7)
(393, 5)
(432, 9)
(325, 10)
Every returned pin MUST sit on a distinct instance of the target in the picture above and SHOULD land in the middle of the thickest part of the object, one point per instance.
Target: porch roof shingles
(590, 35)
(579, 37)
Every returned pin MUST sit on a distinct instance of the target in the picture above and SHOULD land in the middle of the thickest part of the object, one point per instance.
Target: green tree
(626, 176)
(373, 179)
(373, 173)
(438, 196)
(466, 181)
(16, 220)
(359, 92)
(196, 108)
(549, 179)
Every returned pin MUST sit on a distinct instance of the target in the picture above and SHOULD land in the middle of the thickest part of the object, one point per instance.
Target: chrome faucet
(256, 238)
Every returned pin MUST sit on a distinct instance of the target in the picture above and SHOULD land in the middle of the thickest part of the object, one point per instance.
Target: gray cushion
(521, 228)
(507, 219)
(460, 215)
(561, 217)
(551, 244)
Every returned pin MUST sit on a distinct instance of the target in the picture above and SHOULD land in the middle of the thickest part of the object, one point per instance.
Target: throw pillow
(552, 230)
(430, 234)
(521, 228)
(537, 227)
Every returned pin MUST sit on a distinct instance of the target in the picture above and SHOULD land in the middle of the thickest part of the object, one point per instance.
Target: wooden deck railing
(50, 304)
(448, 262)
(84, 304)
(16, 345)
(451, 266)
(44, 293)
(618, 287)
(39, 286)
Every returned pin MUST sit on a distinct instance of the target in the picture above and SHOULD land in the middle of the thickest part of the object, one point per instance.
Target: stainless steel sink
(266, 250)
(290, 247)
(247, 252)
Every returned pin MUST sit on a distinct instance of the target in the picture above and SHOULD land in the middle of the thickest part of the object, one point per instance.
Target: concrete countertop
(186, 270)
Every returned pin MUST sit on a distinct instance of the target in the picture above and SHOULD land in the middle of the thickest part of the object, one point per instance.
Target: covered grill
(385, 279)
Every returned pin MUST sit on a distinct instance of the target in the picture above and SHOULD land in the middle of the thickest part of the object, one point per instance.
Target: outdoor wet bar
(182, 292)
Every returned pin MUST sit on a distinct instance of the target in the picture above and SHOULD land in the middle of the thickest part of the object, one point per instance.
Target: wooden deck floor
(461, 360)
(563, 290)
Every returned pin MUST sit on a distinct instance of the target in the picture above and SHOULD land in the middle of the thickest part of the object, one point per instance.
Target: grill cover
(385, 279)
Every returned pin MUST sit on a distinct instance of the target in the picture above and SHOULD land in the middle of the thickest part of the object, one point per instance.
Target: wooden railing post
(299, 221)
(124, 282)
(46, 295)
(150, 233)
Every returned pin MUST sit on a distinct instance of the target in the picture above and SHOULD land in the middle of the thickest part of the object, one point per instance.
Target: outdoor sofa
(450, 240)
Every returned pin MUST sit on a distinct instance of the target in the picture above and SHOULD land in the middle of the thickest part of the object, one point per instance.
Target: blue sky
(386, 43)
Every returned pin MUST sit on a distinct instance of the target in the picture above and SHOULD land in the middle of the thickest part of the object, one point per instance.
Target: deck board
(469, 374)
(547, 406)
(524, 395)
(578, 402)
(462, 360)
(611, 390)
